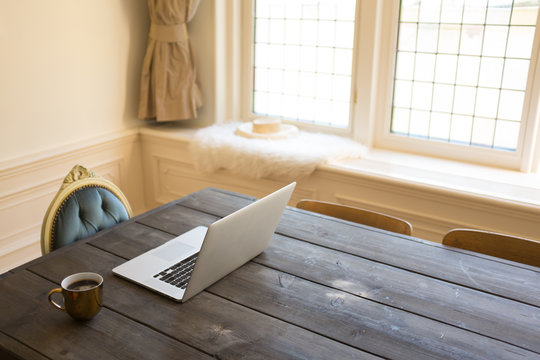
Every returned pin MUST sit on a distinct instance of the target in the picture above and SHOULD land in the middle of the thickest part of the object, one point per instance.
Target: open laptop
(189, 263)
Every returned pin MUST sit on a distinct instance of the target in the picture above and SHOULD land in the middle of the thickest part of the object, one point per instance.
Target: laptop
(189, 263)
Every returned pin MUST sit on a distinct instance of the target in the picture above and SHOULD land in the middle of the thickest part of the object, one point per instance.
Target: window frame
(376, 25)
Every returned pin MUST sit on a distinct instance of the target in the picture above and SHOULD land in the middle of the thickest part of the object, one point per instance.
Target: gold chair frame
(78, 178)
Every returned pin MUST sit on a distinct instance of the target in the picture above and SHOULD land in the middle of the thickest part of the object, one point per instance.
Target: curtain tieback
(169, 33)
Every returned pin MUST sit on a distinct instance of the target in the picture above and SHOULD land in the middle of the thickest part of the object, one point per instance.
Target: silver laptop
(189, 263)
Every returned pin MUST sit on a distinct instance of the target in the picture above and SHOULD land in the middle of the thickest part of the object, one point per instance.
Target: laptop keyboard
(178, 274)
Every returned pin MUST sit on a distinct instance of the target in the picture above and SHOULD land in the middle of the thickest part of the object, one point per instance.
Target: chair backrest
(508, 247)
(84, 205)
(361, 216)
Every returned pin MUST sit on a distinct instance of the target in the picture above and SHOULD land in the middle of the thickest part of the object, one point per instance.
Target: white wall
(69, 70)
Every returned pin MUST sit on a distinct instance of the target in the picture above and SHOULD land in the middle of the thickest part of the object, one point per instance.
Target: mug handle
(52, 302)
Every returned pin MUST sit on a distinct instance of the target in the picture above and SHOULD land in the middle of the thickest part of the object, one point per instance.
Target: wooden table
(324, 289)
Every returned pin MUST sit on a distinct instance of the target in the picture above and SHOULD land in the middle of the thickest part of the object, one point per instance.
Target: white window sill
(447, 176)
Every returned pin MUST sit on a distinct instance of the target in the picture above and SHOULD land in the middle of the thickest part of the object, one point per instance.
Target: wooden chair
(84, 205)
(354, 214)
(507, 247)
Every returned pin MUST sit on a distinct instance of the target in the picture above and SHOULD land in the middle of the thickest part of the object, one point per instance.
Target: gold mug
(82, 293)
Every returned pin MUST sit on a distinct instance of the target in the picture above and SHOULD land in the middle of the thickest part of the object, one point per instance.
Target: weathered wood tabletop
(324, 289)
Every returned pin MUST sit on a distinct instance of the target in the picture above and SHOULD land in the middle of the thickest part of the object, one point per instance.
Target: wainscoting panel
(29, 184)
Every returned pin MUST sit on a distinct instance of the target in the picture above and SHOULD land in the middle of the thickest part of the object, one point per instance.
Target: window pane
(467, 70)
(443, 97)
(511, 104)
(520, 41)
(307, 84)
(419, 123)
(424, 69)
(439, 126)
(446, 69)
(323, 89)
(471, 39)
(277, 33)
(452, 11)
(430, 11)
(460, 129)
(491, 70)
(400, 121)
(403, 93)
(515, 74)
(524, 13)
(303, 55)
(483, 132)
(506, 135)
(499, 12)
(326, 33)
(427, 38)
(421, 95)
(464, 100)
(474, 12)
(291, 81)
(407, 37)
(470, 72)
(341, 88)
(405, 65)
(449, 35)
(495, 40)
(486, 102)
(409, 10)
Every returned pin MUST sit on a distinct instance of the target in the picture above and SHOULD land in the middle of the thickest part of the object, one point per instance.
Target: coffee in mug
(82, 294)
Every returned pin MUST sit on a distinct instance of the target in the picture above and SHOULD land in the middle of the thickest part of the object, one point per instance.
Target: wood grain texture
(423, 257)
(324, 289)
(452, 304)
(34, 322)
(14, 349)
(382, 330)
(222, 328)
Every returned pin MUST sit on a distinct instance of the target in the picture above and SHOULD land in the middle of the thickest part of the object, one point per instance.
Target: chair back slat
(507, 247)
(357, 215)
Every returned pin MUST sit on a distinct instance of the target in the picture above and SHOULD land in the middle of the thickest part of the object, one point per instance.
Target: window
(303, 52)
(446, 78)
(461, 70)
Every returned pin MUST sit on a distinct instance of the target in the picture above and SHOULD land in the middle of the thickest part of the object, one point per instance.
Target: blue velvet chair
(84, 205)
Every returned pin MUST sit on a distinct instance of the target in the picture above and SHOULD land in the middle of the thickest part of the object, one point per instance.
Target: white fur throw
(218, 147)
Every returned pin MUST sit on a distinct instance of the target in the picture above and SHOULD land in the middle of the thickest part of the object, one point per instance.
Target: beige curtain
(169, 89)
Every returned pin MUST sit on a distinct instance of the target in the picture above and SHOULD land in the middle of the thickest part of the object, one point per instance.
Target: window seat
(435, 195)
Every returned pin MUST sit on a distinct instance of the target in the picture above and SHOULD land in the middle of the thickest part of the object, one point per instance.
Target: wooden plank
(206, 322)
(405, 252)
(430, 259)
(473, 310)
(216, 202)
(131, 240)
(367, 325)
(13, 349)
(178, 219)
(31, 320)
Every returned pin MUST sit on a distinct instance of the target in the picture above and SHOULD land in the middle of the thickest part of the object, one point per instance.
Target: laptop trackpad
(173, 250)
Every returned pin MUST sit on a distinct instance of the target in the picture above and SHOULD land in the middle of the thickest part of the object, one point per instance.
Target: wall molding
(153, 166)
(29, 183)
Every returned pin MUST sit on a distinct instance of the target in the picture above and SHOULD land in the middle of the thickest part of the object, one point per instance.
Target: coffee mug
(82, 293)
